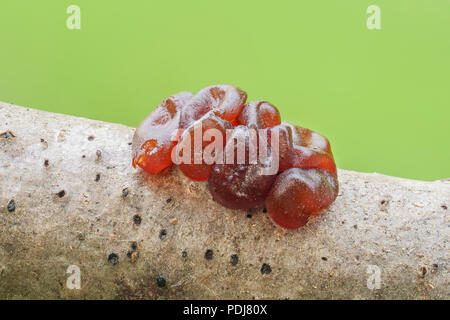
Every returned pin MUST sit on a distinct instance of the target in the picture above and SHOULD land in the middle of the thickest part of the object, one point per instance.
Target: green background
(382, 97)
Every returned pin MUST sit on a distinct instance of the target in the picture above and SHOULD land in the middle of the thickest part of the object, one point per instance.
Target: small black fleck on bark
(266, 269)
(234, 259)
(163, 234)
(83, 156)
(91, 138)
(249, 215)
(444, 207)
(209, 254)
(98, 153)
(61, 193)
(97, 177)
(125, 193)
(161, 281)
(184, 254)
(137, 220)
(46, 162)
(44, 142)
(129, 254)
(423, 272)
(169, 200)
(134, 246)
(11, 205)
(113, 259)
(324, 258)
(264, 210)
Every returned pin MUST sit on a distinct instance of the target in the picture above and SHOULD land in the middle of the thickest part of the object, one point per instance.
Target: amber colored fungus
(225, 101)
(153, 140)
(240, 184)
(199, 169)
(259, 115)
(297, 195)
(289, 168)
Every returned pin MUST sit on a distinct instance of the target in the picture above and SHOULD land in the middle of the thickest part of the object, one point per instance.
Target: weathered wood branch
(69, 196)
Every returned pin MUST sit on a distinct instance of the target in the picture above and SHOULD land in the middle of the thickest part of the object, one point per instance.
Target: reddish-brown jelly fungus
(259, 115)
(241, 182)
(297, 195)
(225, 101)
(199, 158)
(154, 140)
(246, 153)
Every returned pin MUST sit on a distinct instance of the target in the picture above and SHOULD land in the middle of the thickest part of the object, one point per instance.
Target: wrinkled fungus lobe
(257, 159)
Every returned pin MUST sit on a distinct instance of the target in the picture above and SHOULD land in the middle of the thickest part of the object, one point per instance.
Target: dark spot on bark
(7, 134)
(161, 281)
(444, 207)
(83, 156)
(163, 234)
(133, 246)
(324, 258)
(249, 215)
(266, 269)
(357, 257)
(97, 177)
(355, 226)
(384, 205)
(81, 236)
(209, 254)
(169, 200)
(264, 210)
(423, 272)
(113, 259)
(61, 194)
(129, 254)
(234, 259)
(125, 193)
(98, 153)
(11, 205)
(184, 254)
(44, 142)
(137, 220)
(46, 163)
(130, 143)
(435, 266)
(91, 138)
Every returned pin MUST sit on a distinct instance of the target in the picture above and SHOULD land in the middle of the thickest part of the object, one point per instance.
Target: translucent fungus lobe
(241, 182)
(203, 142)
(259, 115)
(226, 101)
(153, 140)
(297, 195)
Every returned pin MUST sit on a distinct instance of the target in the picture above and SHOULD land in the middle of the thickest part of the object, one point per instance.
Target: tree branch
(69, 196)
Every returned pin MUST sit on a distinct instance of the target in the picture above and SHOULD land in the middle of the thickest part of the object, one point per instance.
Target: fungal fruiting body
(247, 155)
(153, 140)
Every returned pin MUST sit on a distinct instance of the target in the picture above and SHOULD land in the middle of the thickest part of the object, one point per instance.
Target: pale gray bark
(399, 226)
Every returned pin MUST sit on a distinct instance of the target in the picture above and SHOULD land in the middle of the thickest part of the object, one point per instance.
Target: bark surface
(69, 196)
